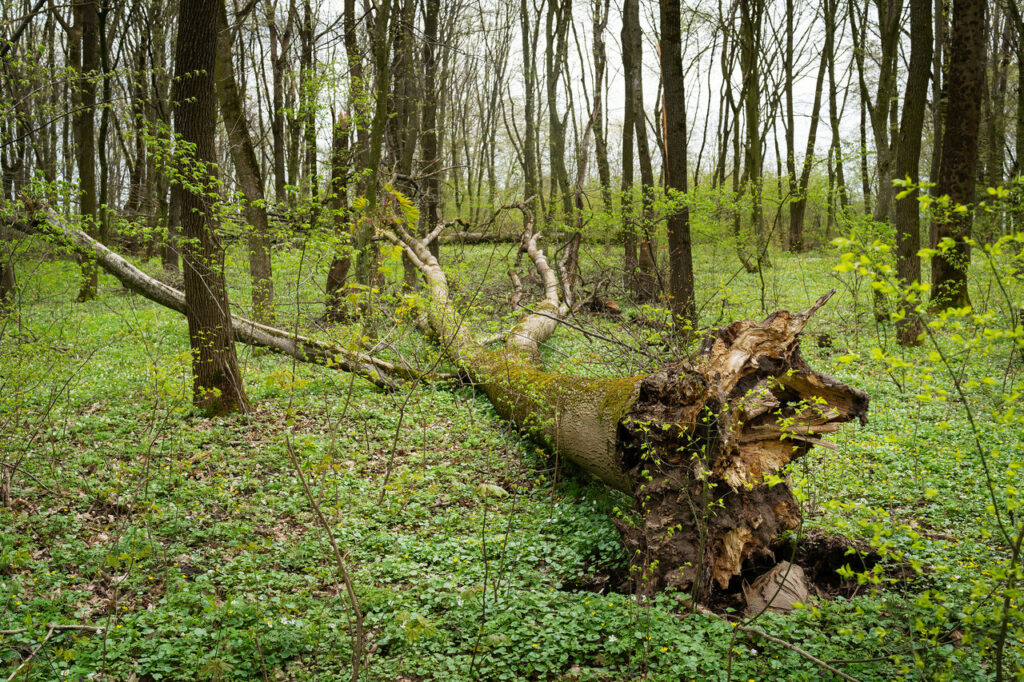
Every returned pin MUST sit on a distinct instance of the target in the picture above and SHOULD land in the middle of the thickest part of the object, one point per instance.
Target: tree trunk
(279, 45)
(752, 15)
(559, 16)
(959, 151)
(217, 383)
(337, 274)
(85, 60)
(799, 203)
(630, 265)
(8, 285)
(908, 158)
(600, 10)
(680, 258)
(378, 372)
(250, 177)
(531, 186)
(694, 443)
(430, 163)
(831, 22)
(646, 281)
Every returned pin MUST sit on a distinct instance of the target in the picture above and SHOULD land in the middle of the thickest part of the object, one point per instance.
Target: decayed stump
(698, 444)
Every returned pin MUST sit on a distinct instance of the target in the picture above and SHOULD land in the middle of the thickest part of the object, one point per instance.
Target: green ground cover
(192, 543)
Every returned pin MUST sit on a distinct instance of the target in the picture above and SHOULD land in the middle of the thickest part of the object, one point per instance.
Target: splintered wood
(705, 442)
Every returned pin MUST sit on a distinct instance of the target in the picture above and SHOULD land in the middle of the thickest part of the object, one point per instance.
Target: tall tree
(964, 87)
(430, 155)
(84, 55)
(250, 177)
(530, 173)
(559, 15)
(1018, 28)
(908, 157)
(599, 8)
(751, 21)
(680, 259)
(798, 207)
(632, 58)
(217, 382)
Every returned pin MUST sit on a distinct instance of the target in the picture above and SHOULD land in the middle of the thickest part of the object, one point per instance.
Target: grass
(191, 542)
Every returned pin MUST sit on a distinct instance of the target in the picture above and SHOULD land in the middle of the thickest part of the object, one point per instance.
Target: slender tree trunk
(995, 121)
(752, 14)
(250, 177)
(600, 10)
(558, 17)
(217, 382)
(84, 57)
(680, 258)
(308, 91)
(365, 251)
(430, 164)
(799, 204)
(831, 23)
(646, 275)
(278, 55)
(630, 264)
(908, 159)
(960, 151)
(1018, 26)
(102, 139)
(337, 274)
(795, 239)
(530, 174)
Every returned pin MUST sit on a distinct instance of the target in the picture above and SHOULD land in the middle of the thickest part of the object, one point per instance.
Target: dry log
(699, 444)
(379, 372)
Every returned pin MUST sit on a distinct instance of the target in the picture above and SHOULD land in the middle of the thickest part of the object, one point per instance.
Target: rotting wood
(700, 444)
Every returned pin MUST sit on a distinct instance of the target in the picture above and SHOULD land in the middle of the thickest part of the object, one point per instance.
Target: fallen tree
(698, 444)
(46, 222)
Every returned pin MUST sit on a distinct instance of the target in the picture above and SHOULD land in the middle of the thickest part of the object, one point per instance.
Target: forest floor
(192, 544)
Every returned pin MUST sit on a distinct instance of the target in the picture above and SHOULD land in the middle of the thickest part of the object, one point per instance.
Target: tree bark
(559, 15)
(217, 383)
(908, 158)
(600, 12)
(85, 60)
(646, 282)
(531, 183)
(680, 258)
(959, 152)
(798, 206)
(630, 265)
(430, 164)
(337, 274)
(250, 177)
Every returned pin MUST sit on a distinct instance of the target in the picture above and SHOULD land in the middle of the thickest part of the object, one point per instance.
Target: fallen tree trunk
(699, 445)
(379, 372)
